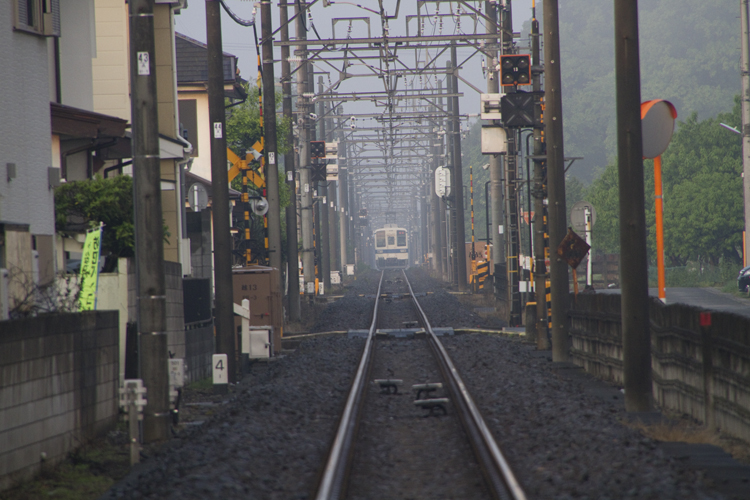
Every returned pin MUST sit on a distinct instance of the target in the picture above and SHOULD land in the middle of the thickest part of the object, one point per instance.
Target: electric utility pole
(458, 179)
(292, 270)
(500, 271)
(343, 197)
(553, 123)
(540, 210)
(636, 333)
(151, 300)
(308, 257)
(325, 254)
(223, 300)
(269, 140)
(745, 72)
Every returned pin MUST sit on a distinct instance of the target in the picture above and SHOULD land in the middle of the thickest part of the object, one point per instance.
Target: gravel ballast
(269, 440)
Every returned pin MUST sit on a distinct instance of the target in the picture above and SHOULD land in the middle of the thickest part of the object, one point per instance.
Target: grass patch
(204, 384)
(86, 473)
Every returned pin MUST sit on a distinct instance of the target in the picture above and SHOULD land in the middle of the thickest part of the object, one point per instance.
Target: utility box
(257, 343)
(260, 285)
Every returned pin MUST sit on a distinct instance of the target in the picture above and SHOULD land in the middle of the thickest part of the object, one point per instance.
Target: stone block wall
(58, 387)
(702, 371)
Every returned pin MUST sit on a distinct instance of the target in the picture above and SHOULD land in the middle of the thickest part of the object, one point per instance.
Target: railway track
(401, 428)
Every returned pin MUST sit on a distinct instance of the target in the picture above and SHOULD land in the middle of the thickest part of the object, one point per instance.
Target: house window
(41, 17)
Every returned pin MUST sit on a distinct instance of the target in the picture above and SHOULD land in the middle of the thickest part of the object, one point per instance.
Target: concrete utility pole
(540, 267)
(343, 198)
(333, 200)
(325, 248)
(224, 320)
(636, 334)
(332, 195)
(269, 141)
(293, 304)
(553, 123)
(745, 72)
(151, 300)
(308, 257)
(450, 216)
(443, 236)
(437, 254)
(458, 179)
(500, 271)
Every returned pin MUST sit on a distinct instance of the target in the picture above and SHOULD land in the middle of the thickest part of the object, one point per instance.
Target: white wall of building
(25, 136)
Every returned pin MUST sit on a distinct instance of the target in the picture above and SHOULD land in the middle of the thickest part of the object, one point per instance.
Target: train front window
(391, 240)
(380, 239)
(401, 237)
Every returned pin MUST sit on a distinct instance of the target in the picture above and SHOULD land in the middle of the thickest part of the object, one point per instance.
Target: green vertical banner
(90, 269)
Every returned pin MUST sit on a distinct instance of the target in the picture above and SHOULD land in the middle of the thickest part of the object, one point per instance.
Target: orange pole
(659, 229)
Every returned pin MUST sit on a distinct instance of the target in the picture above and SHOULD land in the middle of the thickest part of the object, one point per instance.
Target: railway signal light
(515, 69)
(317, 149)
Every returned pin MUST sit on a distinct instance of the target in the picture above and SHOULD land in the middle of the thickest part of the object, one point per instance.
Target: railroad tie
(389, 385)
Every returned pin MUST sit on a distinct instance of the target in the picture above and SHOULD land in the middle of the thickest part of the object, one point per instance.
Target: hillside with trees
(690, 52)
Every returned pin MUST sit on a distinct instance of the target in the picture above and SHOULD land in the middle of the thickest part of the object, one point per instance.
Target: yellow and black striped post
(261, 160)
(483, 271)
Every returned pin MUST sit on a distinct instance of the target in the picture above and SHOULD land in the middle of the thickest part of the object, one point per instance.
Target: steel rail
(334, 474)
(498, 473)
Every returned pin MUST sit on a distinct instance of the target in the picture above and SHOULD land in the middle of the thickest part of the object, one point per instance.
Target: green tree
(243, 124)
(575, 191)
(604, 195)
(689, 55)
(243, 131)
(702, 192)
(83, 204)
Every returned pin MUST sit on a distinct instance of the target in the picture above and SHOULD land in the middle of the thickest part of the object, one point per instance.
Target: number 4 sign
(220, 373)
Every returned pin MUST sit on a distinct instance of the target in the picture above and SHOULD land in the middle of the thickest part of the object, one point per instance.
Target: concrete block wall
(58, 387)
(702, 371)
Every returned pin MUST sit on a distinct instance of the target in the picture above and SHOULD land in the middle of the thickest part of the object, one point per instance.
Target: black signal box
(515, 69)
(521, 109)
(318, 171)
(317, 149)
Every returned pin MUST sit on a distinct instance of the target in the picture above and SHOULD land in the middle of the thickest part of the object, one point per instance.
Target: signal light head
(515, 69)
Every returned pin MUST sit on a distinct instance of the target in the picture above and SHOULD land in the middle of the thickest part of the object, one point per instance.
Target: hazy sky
(240, 41)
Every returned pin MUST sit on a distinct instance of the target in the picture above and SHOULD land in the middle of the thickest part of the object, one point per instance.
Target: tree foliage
(243, 124)
(83, 204)
(689, 52)
(702, 193)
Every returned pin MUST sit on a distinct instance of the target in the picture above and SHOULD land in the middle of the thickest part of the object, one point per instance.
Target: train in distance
(391, 248)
